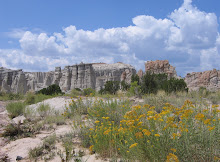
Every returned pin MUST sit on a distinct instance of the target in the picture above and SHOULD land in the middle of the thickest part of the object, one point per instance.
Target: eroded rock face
(207, 79)
(77, 76)
(112, 72)
(160, 67)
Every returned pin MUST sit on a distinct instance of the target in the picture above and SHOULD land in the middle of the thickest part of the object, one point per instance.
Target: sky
(39, 35)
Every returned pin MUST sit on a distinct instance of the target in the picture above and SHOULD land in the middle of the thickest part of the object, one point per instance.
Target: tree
(112, 87)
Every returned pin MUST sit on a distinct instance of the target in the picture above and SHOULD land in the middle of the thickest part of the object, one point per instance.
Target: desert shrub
(76, 92)
(55, 119)
(51, 90)
(69, 152)
(44, 110)
(16, 131)
(89, 92)
(185, 133)
(12, 130)
(15, 109)
(15, 96)
(135, 89)
(77, 108)
(30, 98)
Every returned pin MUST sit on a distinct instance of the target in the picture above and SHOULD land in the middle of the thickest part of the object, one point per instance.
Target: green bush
(75, 93)
(89, 92)
(111, 87)
(175, 85)
(124, 86)
(151, 83)
(135, 78)
(51, 90)
(30, 98)
(135, 89)
(15, 109)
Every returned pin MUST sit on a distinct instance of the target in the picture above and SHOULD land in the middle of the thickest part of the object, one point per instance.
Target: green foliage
(124, 86)
(76, 92)
(16, 131)
(175, 85)
(15, 109)
(135, 89)
(136, 78)
(89, 92)
(51, 90)
(111, 87)
(151, 83)
(10, 96)
(32, 98)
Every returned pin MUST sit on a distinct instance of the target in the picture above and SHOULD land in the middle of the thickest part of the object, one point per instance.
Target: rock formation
(77, 76)
(159, 67)
(140, 73)
(207, 79)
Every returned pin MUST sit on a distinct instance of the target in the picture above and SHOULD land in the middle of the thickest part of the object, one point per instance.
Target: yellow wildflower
(91, 149)
(172, 157)
(211, 128)
(199, 116)
(173, 149)
(133, 145)
(157, 135)
(146, 132)
(138, 135)
(207, 121)
(139, 123)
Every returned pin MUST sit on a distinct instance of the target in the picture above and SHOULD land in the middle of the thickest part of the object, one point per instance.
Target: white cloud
(188, 37)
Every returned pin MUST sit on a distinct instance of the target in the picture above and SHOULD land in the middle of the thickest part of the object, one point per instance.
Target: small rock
(19, 158)
(19, 119)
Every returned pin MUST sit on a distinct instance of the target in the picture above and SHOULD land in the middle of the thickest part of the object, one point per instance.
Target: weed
(15, 109)
(44, 110)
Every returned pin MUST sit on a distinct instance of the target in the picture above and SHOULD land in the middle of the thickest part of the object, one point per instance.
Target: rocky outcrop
(160, 67)
(207, 79)
(140, 73)
(76, 76)
(112, 72)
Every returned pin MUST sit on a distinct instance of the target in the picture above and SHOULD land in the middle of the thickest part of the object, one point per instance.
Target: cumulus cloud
(188, 38)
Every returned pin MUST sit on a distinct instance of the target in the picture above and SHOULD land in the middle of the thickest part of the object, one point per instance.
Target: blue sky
(38, 35)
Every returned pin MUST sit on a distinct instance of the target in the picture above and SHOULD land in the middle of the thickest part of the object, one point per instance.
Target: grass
(32, 98)
(44, 110)
(10, 96)
(15, 109)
